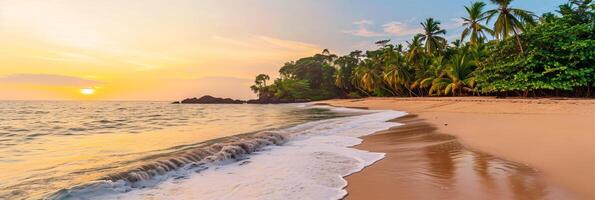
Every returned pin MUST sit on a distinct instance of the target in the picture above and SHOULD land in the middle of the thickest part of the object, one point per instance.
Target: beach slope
(516, 148)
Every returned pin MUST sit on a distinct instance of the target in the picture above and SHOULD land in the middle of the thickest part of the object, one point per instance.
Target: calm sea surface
(49, 146)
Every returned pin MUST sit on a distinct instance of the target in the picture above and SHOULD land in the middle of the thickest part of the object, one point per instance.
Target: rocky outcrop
(207, 99)
(276, 101)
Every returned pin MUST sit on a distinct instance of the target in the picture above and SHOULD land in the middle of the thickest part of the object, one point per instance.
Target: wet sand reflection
(423, 164)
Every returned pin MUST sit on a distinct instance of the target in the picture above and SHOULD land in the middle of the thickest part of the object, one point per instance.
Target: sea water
(156, 150)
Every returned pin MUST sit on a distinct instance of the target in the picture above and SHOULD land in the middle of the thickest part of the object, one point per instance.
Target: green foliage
(307, 78)
(473, 23)
(260, 86)
(345, 66)
(509, 21)
(432, 31)
(560, 55)
(291, 89)
(459, 77)
(554, 56)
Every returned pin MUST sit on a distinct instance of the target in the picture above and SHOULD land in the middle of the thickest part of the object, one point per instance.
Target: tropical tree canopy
(509, 21)
(431, 35)
(474, 29)
(554, 56)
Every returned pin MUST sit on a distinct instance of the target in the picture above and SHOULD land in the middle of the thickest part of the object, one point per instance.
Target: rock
(276, 101)
(207, 99)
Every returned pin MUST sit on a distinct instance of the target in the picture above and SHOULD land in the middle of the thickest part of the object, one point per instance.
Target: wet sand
(480, 148)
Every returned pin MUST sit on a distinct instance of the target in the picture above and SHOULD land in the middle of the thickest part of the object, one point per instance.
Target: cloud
(233, 42)
(397, 28)
(48, 80)
(364, 45)
(363, 22)
(453, 24)
(141, 66)
(401, 29)
(264, 43)
(393, 28)
(68, 56)
(362, 30)
(288, 44)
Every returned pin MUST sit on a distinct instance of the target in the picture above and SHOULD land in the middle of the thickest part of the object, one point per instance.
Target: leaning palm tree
(459, 77)
(472, 23)
(427, 76)
(396, 75)
(344, 67)
(366, 77)
(431, 35)
(509, 20)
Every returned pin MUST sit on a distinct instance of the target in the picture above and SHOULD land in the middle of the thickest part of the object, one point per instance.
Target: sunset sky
(168, 50)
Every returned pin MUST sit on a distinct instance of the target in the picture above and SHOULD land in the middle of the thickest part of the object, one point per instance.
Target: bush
(559, 57)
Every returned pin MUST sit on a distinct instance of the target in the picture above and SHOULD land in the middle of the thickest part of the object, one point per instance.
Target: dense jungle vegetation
(502, 51)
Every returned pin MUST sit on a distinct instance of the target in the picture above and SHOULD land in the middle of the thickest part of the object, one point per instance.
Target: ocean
(157, 150)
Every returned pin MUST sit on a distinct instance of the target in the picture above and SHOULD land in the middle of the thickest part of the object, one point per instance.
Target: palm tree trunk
(389, 90)
(366, 93)
(411, 93)
(518, 41)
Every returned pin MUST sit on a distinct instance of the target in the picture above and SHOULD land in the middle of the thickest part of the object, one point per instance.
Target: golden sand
(502, 148)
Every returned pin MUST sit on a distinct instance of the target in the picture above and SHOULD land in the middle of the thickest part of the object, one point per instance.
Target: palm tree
(341, 81)
(457, 43)
(414, 49)
(459, 77)
(344, 67)
(395, 74)
(509, 20)
(382, 43)
(366, 77)
(260, 85)
(427, 76)
(262, 79)
(472, 23)
(432, 30)
(326, 57)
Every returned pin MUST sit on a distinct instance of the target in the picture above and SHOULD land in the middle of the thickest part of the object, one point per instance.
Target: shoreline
(554, 137)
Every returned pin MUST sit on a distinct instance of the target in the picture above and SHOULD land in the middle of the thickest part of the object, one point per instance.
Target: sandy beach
(480, 148)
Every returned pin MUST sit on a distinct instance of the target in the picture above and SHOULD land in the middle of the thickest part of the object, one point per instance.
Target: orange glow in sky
(51, 49)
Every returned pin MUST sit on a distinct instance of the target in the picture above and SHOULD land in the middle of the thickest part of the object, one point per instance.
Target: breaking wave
(233, 148)
(317, 150)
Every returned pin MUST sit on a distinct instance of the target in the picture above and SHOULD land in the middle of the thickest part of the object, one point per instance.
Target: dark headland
(207, 99)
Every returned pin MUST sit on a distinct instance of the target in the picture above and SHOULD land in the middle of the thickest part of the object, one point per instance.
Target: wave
(232, 149)
(318, 150)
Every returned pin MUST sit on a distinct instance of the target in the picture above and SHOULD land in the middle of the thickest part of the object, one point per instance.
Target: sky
(171, 49)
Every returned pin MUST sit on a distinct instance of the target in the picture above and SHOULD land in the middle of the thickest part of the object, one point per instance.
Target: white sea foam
(310, 165)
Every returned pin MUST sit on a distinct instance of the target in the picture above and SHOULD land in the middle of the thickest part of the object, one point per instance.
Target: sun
(87, 91)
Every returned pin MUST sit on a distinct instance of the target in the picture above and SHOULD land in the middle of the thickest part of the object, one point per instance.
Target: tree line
(502, 51)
